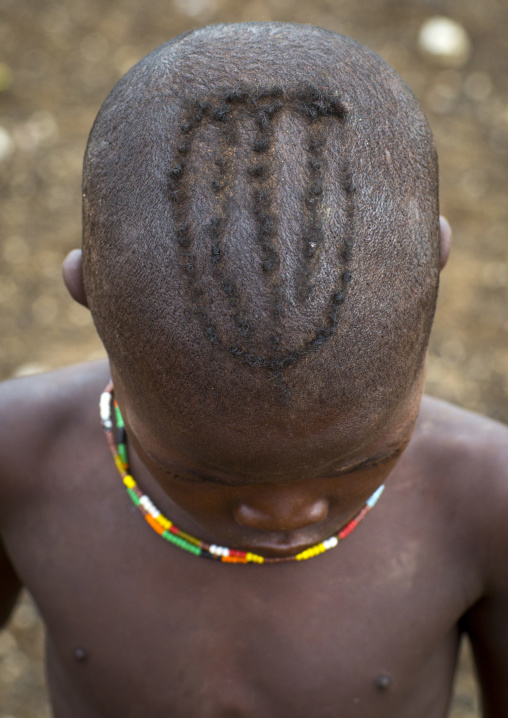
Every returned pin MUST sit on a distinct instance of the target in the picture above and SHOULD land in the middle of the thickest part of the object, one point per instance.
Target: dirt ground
(59, 59)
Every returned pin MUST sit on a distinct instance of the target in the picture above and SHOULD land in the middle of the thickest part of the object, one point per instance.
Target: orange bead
(154, 524)
(232, 559)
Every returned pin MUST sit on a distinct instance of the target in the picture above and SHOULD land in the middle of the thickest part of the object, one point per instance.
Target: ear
(446, 240)
(72, 271)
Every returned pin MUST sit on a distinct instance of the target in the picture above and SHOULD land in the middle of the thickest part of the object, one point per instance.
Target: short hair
(260, 214)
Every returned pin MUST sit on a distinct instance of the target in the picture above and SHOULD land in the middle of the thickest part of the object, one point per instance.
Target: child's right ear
(72, 271)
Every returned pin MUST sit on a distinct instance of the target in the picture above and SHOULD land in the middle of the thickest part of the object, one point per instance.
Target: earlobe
(72, 271)
(446, 240)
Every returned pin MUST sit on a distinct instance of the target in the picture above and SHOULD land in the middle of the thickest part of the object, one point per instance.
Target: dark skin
(372, 628)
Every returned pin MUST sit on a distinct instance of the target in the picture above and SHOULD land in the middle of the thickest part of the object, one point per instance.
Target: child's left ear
(446, 240)
(72, 271)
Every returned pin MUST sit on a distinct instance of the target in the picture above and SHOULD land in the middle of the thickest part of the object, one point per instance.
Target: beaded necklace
(167, 529)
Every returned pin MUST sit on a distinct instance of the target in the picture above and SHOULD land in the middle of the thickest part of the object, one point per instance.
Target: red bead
(347, 529)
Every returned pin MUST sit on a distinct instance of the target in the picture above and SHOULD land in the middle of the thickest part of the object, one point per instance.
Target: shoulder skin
(37, 414)
(468, 457)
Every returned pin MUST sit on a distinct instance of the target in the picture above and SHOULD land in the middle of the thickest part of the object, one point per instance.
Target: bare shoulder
(36, 415)
(466, 459)
(472, 441)
(469, 457)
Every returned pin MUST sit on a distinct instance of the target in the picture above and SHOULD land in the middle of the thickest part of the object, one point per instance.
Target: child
(261, 256)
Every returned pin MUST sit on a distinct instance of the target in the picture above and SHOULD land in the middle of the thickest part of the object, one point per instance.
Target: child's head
(261, 236)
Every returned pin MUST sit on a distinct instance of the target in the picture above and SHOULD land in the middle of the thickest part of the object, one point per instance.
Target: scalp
(260, 209)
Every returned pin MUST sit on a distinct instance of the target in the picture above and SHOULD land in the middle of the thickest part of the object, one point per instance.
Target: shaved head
(261, 224)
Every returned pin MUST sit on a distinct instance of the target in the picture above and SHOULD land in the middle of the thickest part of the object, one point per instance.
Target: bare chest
(137, 627)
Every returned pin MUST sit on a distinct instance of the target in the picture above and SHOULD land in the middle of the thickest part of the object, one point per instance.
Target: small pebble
(478, 86)
(445, 41)
(193, 8)
(6, 144)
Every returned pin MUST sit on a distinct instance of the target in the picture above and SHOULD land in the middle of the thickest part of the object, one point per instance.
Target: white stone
(445, 41)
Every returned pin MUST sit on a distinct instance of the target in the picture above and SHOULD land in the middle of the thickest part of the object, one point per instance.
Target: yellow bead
(164, 522)
(189, 538)
(119, 464)
(129, 481)
(303, 555)
(254, 558)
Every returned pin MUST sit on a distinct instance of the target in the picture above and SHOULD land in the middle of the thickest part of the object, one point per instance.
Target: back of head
(261, 222)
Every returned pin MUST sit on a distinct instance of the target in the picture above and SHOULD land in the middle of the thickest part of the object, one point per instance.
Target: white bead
(149, 506)
(214, 549)
(105, 406)
(331, 542)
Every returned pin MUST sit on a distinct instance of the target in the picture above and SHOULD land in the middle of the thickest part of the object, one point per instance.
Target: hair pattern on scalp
(318, 107)
(222, 231)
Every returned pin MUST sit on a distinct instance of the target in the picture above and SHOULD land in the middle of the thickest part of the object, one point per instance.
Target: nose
(280, 513)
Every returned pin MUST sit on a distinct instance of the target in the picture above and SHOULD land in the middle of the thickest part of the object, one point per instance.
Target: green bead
(122, 451)
(191, 548)
(133, 496)
(181, 543)
(119, 418)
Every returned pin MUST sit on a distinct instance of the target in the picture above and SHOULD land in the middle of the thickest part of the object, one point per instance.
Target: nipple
(80, 654)
(383, 682)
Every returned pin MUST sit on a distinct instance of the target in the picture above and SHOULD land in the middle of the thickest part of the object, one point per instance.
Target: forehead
(259, 440)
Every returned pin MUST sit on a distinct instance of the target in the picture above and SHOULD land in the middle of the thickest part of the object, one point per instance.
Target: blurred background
(58, 60)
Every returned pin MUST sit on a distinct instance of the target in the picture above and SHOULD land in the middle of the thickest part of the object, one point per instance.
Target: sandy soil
(58, 60)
